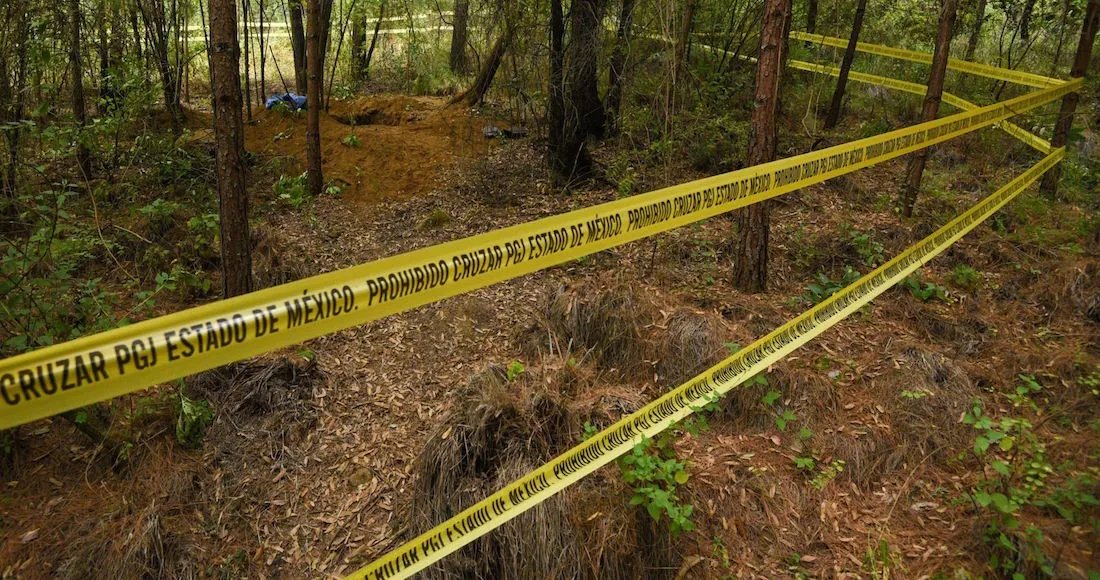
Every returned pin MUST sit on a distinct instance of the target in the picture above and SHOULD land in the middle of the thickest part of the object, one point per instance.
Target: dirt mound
(378, 148)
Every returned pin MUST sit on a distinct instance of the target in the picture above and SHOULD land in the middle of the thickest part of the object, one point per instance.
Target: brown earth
(400, 143)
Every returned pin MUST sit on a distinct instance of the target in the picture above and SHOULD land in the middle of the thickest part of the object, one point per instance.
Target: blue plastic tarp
(292, 100)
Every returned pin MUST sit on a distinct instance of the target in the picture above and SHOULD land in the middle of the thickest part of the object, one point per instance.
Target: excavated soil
(376, 148)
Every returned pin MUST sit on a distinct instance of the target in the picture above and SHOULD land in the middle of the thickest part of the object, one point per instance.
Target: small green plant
(879, 560)
(195, 415)
(925, 291)
(351, 140)
(655, 473)
(806, 464)
(826, 286)
(965, 277)
(589, 432)
(870, 251)
(292, 190)
(515, 369)
(916, 395)
(1016, 457)
(827, 474)
(783, 417)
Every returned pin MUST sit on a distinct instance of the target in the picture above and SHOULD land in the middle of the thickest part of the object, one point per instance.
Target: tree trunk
(811, 16)
(158, 28)
(229, 138)
(298, 46)
(681, 52)
(313, 97)
(476, 93)
(247, 68)
(1069, 102)
(459, 63)
(581, 73)
(917, 160)
(976, 32)
(561, 163)
(83, 158)
(617, 67)
(326, 29)
(845, 67)
(1025, 20)
(750, 272)
(373, 40)
(263, 55)
(358, 47)
(12, 99)
(1061, 38)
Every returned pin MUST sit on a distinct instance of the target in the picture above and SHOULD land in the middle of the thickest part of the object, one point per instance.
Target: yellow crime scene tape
(1038, 143)
(975, 68)
(99, 367)
(106, 365)
(575, 464)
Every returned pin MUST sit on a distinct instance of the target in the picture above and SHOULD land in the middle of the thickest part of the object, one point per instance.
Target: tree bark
(845, 66)
(681, 52)
(229, 140)
(617, 67)
(315, 62)
(12, 99)
(373, 40)
(476, 93)
(83, 158)
(358, 46)
(976, 32)
(158, 28)
(298, 46)
(247, 68)
(561, 163)
(811, 16)
(750, 272)
(263, 55)
(917, 160)
(1062, 126)
(581, 72)
(459, 63)
(1025, 20)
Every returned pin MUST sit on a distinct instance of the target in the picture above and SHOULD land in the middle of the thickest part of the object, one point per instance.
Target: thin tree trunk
(325, 34)
(750, 272)
(373, 41)
(976, 32)
(1025, 20)
(339, 47)
(229, 137)
(1061, 38)
(561, 162)
(358, 47)
(12, 101)
(617, 67)
(83, 158)
(263, 55)
(581, 72)
(845, 66)
(1080, 67)
(313, 95)
(682, 41)
(247, 68)
(917, 160)
(811, 16)
(298, 46)
(459, 63)
(476, 93)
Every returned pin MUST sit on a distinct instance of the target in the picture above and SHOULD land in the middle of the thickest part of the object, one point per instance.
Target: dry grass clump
(689, 345)
(261, 406)
(272, 265)
(926, 398)
(604, 325)
(136, 539)
(499, 431)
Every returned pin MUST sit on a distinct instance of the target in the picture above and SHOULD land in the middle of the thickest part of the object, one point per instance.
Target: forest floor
(310, 467)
